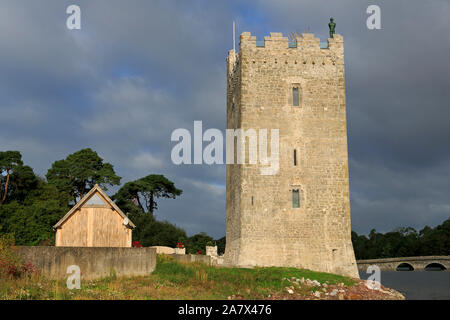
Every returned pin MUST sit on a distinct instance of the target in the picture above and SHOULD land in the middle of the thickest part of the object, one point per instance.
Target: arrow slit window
(295, 97)
(295, 198)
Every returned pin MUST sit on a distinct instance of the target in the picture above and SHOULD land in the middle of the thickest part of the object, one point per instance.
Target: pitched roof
(83, 200)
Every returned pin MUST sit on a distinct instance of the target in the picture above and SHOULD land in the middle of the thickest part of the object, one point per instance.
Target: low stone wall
(192, 258)
(93, 262)
(211, 251)
(164, 250)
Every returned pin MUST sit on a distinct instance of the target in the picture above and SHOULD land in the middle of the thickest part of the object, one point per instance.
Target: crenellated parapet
(336, 44)
(305, 50)
(277, 41)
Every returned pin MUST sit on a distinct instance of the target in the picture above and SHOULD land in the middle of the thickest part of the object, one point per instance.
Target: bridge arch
(404, 267)
(435, 266)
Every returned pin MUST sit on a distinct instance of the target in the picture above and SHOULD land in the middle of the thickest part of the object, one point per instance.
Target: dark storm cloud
(137, 70)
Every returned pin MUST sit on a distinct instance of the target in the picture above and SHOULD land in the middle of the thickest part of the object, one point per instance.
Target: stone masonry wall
(268, 231)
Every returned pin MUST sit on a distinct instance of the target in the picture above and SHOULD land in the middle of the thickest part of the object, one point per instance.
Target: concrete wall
(164, 250)
(93, 262)
(262, 226)
(186, 258)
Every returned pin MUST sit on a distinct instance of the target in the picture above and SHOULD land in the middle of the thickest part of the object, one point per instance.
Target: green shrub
(11, 265)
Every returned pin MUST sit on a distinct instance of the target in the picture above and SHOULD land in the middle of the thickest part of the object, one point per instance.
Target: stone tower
(300, 216)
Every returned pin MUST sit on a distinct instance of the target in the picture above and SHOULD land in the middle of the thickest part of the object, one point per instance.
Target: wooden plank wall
(94, 226)
(74, 232)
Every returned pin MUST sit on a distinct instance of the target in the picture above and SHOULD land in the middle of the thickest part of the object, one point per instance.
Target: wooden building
(95, 221)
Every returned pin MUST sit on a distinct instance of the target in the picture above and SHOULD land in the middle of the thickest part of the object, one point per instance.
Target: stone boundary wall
(186, 258)
(94, 262)
(164, 250)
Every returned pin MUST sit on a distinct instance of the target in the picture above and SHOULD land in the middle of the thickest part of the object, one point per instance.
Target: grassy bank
(174, 280)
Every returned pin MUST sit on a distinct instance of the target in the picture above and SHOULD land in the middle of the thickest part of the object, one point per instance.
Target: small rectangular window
(295, 157)
(295, 97)
(252, 200)
(295, 198)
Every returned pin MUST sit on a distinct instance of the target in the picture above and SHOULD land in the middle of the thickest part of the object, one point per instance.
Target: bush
(180, 245)
(11, 265)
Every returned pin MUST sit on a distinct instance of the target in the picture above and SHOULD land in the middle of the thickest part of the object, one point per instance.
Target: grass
(175, 280)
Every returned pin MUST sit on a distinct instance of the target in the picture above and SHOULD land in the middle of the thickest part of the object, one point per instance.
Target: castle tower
(300, 216)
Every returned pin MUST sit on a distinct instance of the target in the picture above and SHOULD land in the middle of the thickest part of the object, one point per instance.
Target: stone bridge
(407, 263)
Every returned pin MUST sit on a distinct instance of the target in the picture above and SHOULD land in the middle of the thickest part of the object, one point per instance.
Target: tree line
(403, 242)
(30, 205)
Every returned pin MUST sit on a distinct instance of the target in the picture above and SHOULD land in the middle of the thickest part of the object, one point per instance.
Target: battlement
(276, 41)
(305, 49)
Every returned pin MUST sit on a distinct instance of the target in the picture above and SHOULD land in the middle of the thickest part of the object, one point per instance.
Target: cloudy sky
(137, 70)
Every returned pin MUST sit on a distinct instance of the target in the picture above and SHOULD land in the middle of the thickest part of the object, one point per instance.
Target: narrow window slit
(295, 97)
(295, 198)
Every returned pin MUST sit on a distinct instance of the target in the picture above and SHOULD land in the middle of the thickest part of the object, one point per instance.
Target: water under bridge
(425, 263)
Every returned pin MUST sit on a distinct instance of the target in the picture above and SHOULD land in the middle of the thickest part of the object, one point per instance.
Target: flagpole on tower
(234, 36)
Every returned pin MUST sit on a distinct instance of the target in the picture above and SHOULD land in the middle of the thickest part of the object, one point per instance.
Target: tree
(31, 217)
(435, 241)
(23, 181)
(197, 242)
(403, 242)
(9, 162)
(79, 172)
(142, 193)
(128, 198)
(150, 232)
(360, 244)
(137, 198)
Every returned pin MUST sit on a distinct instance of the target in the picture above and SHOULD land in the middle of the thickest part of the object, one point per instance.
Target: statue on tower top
(332, 27)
